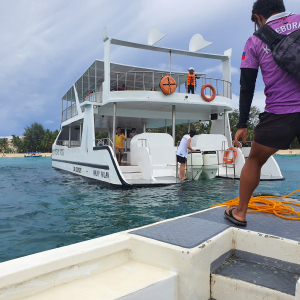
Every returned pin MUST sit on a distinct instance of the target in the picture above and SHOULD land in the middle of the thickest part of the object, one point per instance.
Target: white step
(130, 169)
(133, 175)
(226, 288)
(129, 281)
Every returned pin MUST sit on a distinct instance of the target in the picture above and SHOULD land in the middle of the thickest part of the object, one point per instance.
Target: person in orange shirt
(191, 81)
(119, 150)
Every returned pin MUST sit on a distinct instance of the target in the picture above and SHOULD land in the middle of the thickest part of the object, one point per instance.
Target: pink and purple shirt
(282, 90)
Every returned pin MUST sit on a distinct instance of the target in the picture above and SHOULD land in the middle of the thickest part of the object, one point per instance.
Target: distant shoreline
(22, 155)
(288, 152)
(48, 154)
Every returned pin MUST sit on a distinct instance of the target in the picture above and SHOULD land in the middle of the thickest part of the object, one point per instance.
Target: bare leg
(121, 156)
(250, 177)
(182, 171)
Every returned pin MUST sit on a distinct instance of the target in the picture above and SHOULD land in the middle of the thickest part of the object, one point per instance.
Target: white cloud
(259, 100)
(218, 69)
(49, 122)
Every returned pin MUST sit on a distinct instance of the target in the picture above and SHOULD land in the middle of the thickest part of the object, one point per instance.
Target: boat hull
(100, 165)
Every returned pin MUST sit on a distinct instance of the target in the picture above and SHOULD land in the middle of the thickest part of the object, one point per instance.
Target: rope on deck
(276, 207)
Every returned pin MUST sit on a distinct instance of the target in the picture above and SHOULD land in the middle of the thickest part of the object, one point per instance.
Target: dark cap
(192, 132)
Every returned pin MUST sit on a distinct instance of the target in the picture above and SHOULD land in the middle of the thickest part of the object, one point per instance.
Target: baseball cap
(191, 68)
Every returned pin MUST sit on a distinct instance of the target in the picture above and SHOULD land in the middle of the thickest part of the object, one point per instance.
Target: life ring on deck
(168, 85)
(208, 99)
(227, 160)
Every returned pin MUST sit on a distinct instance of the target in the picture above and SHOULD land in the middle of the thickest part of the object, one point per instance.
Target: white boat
(108, 95)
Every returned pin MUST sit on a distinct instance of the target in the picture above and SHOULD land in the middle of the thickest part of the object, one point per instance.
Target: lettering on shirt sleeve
(299, 25)
(283, 29)
(277, 30)
(289, 26)
(295, 25)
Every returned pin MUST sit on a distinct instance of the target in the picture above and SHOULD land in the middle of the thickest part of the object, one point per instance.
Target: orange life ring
(208, 99)
(229, 161)
(168, 85)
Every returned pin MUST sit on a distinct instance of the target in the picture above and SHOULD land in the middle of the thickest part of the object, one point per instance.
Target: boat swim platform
(160, 181)
(197, 256)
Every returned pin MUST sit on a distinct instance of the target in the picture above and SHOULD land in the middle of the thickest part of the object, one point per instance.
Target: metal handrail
(121, 82)
(94, 96)
(103, 142)
(69, 144)
(69, 112)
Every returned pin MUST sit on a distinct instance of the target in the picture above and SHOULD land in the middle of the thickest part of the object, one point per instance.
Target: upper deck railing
(149, 81)
(70, 112)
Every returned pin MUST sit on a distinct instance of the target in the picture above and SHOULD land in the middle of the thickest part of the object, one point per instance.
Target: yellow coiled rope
(276, 207)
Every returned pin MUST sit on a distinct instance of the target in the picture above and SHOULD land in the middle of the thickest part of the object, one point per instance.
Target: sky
(47, 45)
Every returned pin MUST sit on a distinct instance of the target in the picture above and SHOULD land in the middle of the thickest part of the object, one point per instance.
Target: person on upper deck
(132, 133)
(183, 150)
(191, 82)
(280, 122)
(119, 150)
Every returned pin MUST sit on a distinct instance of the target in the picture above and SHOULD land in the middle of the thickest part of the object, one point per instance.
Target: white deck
(169, 260)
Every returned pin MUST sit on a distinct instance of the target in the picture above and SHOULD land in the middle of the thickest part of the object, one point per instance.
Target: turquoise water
(42, 208)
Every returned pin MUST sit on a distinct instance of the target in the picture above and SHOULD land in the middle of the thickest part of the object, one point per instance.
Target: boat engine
(194, 165)
(210, 164)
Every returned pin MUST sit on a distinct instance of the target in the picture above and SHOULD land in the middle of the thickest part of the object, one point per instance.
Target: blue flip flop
(232, 219)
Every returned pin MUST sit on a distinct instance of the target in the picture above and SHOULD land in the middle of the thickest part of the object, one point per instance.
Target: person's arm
(247, 82)
(123, 137)
(189, 145)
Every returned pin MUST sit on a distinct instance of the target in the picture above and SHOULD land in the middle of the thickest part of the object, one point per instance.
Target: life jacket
(191, 79)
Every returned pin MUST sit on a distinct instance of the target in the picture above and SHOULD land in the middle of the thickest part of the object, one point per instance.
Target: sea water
(42, 208)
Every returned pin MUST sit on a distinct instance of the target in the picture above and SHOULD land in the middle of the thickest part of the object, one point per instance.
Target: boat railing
(150, 80)
(103, 142)
(94, 96)
(69, 144)
(69, 112)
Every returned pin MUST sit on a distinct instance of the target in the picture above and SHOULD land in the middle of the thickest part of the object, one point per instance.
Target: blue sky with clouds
(47, 45)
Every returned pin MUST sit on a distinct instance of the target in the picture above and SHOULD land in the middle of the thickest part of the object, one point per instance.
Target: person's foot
(236, 214)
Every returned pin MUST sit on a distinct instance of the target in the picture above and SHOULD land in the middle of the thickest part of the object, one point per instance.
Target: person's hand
(241, 133)
(194, 150)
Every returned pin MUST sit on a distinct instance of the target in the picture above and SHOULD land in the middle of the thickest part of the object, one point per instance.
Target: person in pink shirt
(280, 122)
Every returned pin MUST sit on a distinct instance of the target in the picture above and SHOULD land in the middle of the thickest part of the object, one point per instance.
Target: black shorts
(191, 88)
(181, 159)
(277, 131)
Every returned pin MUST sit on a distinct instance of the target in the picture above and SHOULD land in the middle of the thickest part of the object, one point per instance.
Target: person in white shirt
(182, 152)
(132, 133)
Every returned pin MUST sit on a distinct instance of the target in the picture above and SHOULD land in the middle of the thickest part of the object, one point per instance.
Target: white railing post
(173, 122)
